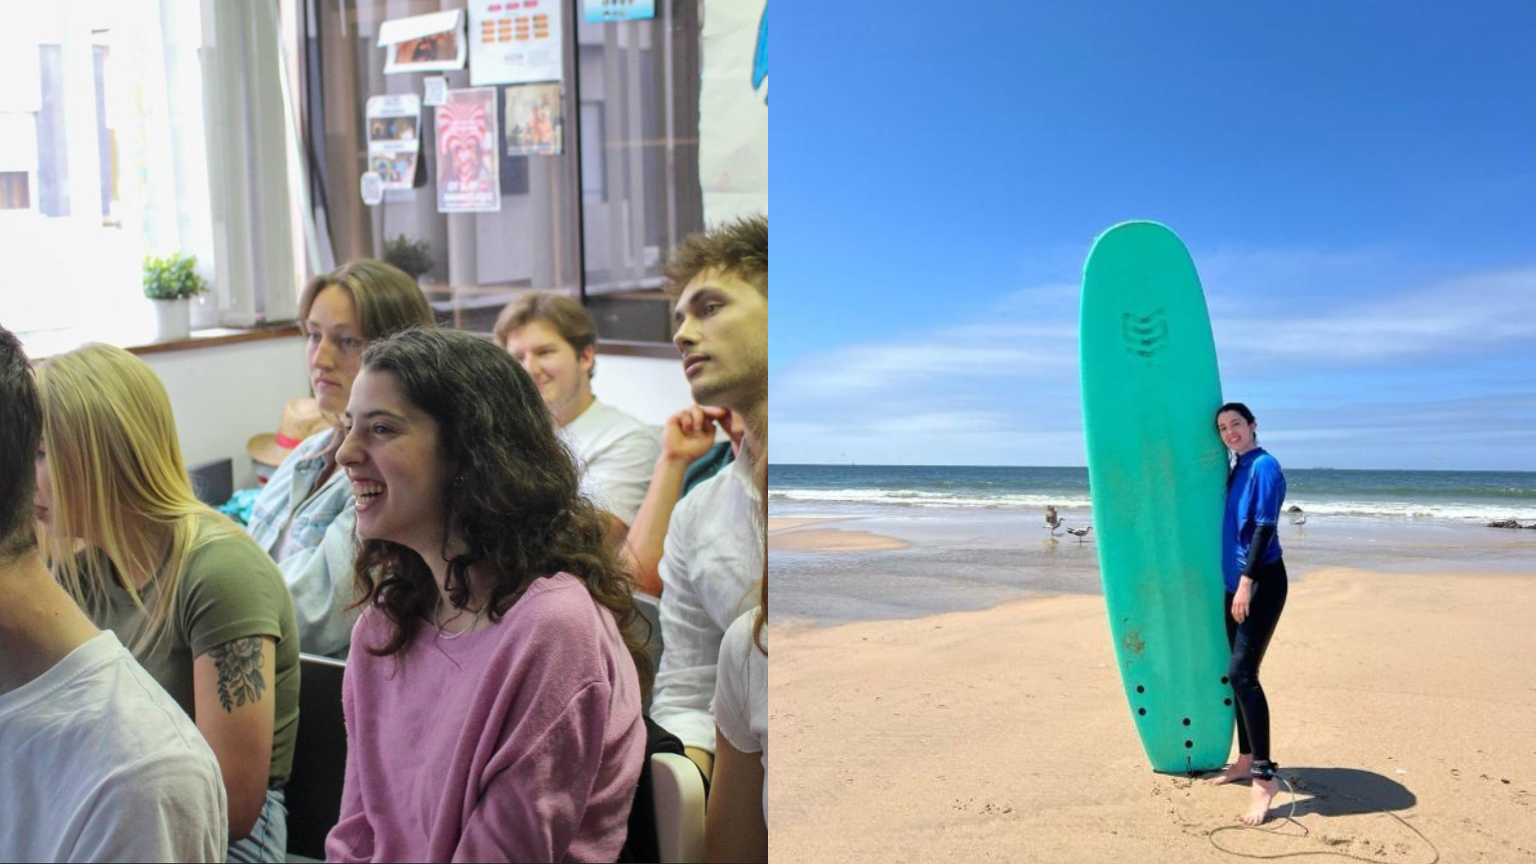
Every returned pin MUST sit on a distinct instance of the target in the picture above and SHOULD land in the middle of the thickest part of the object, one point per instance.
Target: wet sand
(833, 540)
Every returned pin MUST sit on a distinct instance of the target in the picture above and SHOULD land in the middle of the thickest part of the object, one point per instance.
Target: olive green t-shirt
(229, 590)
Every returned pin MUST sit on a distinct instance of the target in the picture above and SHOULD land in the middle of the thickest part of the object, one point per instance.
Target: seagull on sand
(1080, 533)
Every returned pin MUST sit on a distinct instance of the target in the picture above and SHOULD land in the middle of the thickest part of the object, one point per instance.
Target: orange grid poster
(515, 41)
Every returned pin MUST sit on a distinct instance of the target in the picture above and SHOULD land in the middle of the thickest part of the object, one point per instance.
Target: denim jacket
(317, 557)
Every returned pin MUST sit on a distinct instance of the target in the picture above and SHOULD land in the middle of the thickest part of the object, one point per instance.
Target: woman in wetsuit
(1256, 589)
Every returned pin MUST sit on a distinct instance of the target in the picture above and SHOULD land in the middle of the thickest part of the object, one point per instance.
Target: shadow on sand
(1345, 792)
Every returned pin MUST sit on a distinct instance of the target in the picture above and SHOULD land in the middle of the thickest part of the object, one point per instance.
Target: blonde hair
(115, 460)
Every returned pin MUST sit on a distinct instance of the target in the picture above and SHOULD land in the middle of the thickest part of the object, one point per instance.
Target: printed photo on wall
(394, 138)
(467, 162)
(535, 121)
(424, 43)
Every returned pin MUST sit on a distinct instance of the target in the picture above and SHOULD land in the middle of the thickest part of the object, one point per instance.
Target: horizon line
(772, 463)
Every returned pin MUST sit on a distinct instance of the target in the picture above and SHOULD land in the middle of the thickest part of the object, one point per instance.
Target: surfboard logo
(1145, 335)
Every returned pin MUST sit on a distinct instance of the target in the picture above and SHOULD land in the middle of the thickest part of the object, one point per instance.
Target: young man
(715, 544)
(552, 336)
(100, 763)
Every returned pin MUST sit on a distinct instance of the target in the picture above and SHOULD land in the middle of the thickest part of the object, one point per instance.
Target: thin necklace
(445, 633)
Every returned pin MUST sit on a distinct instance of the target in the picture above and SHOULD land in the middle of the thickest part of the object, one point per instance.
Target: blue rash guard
(1254, 496)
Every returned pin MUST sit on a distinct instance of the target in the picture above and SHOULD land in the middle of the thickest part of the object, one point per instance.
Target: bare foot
(1236, 771)
(1264, 792)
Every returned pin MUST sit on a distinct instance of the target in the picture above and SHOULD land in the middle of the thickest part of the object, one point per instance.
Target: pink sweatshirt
(518, 742)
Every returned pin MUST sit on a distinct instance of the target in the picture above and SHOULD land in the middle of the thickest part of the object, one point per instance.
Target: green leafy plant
(172, 277)
(412, 256)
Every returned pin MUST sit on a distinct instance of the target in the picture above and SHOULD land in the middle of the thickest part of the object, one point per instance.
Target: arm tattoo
(239, 665)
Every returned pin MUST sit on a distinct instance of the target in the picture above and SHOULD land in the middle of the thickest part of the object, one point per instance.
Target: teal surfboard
(1157, 476)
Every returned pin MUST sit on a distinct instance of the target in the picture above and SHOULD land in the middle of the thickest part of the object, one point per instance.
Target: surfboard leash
(1305, 832)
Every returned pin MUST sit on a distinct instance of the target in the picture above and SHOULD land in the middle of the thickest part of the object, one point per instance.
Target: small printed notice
(598, 11)
(436, 89)
(372, 188)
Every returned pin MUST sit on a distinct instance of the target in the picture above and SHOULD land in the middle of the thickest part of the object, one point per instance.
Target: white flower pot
(173, 319)
(205, 311)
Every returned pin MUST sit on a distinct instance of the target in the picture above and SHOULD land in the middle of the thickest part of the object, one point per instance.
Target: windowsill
(657, 350)
(218, 336)
(41, 345)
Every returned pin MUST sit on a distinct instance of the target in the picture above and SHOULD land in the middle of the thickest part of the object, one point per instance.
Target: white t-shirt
(741, 693)
(616, 454)
(101, 764)
(712, 559)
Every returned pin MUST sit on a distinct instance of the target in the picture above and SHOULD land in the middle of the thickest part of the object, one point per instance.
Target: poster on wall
(733, 110)
(515, 43)
(535, 121)
(394, 138)
(598, 11)
(423, 43)
(468, 163)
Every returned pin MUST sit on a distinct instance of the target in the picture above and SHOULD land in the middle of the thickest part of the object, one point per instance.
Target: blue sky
(1356, 182)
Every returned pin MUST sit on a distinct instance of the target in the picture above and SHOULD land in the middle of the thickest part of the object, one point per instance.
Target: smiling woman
(494, 622)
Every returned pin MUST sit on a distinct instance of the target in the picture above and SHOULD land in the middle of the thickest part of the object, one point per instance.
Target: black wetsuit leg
(1249, 640)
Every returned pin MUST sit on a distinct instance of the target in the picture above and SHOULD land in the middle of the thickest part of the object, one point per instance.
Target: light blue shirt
(317, 551)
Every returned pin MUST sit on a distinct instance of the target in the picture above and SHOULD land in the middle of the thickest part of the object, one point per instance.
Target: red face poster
(468, 166)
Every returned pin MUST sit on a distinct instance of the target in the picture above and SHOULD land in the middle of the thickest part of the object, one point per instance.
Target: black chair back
(313, 794)
(213, 482)
(641, 845)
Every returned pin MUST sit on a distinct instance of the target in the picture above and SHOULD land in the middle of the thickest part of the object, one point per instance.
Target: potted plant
(412, 256)
(170, 283)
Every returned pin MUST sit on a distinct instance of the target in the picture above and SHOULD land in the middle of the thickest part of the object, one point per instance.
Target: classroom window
(100, 158)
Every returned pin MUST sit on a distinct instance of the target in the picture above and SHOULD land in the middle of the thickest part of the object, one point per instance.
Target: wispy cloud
(952, 356)
(1379, 354)
(1476, 313)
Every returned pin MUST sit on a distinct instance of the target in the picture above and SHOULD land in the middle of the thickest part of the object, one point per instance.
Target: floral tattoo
(239, 665)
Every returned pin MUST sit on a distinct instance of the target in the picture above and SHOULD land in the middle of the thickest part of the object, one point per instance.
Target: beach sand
(1003, 734)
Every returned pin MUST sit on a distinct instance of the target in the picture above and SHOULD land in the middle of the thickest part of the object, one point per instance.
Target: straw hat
(301, 419)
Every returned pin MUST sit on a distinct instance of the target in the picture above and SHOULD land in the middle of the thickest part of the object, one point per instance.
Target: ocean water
(1469, 496)
(978, 536)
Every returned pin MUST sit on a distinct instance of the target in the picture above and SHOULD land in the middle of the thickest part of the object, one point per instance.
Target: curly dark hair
(515, 504)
